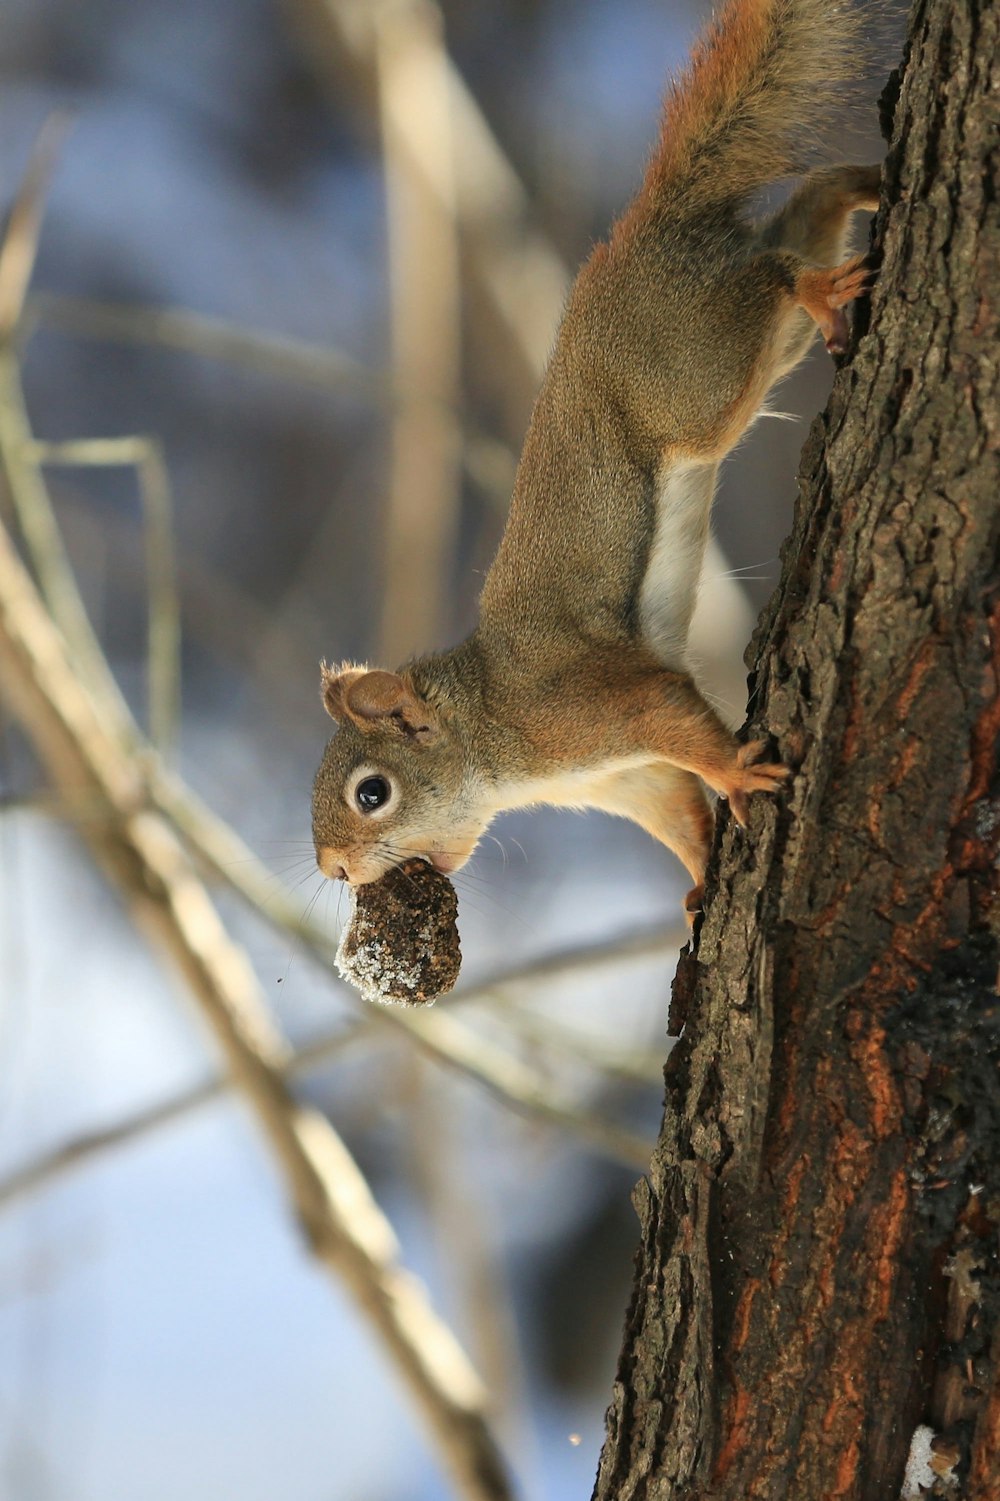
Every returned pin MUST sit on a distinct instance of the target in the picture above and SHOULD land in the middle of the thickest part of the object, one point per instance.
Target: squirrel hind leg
(815, 220)
(812, 228)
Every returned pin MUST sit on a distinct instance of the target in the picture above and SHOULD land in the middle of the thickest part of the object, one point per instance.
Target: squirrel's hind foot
(824, 292)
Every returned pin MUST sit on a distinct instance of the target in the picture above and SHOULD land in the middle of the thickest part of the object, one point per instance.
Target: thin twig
(48, 1167)
(209, 338)
(518, 1085)
(444, 1166)
(24, 484)
(24, 226)
(25, 487)
(640, 1066)
(145, 455)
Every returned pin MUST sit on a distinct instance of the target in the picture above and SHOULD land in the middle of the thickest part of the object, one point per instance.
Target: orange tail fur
(763, 77)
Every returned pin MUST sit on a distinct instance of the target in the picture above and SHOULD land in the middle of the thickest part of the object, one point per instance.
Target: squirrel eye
(372, 793)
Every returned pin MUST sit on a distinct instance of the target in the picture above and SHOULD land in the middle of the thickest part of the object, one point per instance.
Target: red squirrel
(574, 688)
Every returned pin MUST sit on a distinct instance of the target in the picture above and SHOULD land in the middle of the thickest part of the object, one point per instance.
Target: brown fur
(574, 688)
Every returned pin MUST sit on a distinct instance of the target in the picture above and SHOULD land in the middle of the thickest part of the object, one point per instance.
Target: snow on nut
(401, 943)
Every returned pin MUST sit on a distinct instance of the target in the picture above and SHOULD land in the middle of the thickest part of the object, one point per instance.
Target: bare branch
(26, 490)
(209, 338)
(49, 1167)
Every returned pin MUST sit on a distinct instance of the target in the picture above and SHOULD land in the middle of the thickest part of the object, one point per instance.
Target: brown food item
(401, 943)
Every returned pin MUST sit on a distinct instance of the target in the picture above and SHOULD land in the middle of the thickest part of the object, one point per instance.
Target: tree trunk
(818, 1271)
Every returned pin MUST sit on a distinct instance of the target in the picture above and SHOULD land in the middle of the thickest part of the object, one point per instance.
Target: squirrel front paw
(751, 774)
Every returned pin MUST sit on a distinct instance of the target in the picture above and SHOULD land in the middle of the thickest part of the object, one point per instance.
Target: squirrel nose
(330, 867)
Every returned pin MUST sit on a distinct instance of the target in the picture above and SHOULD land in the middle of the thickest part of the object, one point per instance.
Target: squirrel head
(394, 781)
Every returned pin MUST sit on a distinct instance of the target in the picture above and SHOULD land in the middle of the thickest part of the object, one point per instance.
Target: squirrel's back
(765, 77)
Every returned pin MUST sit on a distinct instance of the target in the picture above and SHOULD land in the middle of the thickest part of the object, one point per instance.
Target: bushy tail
(762, 83)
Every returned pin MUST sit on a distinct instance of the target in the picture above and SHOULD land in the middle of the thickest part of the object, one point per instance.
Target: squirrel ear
(333, 685)
(369, 696)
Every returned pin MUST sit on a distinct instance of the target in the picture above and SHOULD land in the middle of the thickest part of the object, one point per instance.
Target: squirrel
(574, 688)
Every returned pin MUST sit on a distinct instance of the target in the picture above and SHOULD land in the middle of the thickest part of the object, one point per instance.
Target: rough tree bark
(818, 1270)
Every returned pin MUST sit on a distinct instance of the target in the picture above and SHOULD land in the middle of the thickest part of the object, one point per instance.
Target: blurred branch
(515, 1083)
(23, 480)
(49, 1167)
(517, 269)
(488, 462)
(627, 1065)
(444, 1165)
(420, 521)
(25, 488)
(142, 857)
(24, 226)
(208, 338)
(145, 455)
(604, 1138)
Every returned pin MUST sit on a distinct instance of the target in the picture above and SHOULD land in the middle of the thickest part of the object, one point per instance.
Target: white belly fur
(582, 788)
(670, 585)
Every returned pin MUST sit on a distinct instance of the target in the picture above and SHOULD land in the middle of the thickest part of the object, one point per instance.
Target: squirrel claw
(693, 902)
(753, 775)
(839, 332)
